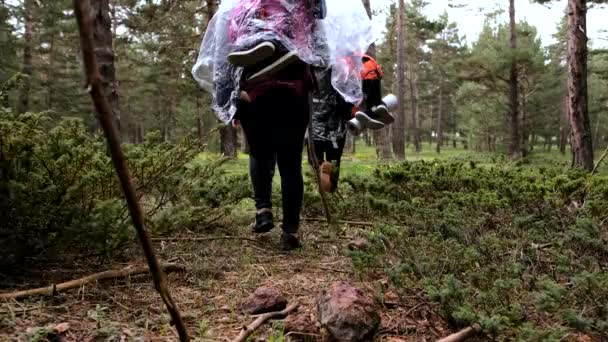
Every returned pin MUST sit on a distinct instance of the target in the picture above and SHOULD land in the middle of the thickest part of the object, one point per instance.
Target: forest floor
(221, 273)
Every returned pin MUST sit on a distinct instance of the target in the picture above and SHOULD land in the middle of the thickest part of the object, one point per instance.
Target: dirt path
(222, 273)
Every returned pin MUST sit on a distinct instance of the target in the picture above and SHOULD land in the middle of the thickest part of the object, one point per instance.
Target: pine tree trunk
(563, 127)
(200, 121)
(581, 139)
(514, 141)
(414, 104)
(440, 117)
(102, 38)
(24, 94)
(399, 125)
(228, 141)
(50, 77)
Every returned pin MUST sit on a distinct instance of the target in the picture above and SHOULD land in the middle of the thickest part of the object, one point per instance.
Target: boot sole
(368, 122)
(265, 228)
(271, 70)
(252, 56)
(384, 115)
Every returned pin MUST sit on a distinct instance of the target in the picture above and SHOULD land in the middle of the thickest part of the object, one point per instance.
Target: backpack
(371, 69)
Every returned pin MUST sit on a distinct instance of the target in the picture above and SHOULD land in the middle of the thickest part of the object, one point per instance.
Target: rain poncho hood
(344, 32)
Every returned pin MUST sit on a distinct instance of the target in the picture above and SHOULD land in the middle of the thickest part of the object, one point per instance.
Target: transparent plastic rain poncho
(336, 41)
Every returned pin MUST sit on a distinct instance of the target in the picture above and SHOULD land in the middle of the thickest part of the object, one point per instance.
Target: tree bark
(440, 117)
(399, 125)
(581, 140)
(27, 68)
(228, 141)
(514, 141)
(414, 104)
(563, 127)
(102, 39)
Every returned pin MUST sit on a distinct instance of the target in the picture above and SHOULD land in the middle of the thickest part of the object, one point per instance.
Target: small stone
(264, 299)
(347, 314)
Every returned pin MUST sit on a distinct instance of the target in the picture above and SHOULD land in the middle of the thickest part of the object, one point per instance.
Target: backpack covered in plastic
(323, 33)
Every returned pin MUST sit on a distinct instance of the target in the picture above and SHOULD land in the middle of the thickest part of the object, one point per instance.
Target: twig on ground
(202, 238)
(354, 223)
(121, 273)
(463, 334)
(248, 330)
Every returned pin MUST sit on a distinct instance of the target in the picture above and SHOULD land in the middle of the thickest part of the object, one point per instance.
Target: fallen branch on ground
(463, 334)
(248, 330)
(354, 223)
(200, 238)
(112, 274)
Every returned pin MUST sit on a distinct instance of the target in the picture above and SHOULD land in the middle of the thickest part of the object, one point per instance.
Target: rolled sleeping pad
(391, 102)
(354, 126)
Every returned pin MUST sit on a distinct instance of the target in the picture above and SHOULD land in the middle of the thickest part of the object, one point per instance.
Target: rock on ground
(264, 299)
(347, 314)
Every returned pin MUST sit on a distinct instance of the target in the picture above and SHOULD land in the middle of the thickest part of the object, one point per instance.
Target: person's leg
(334, 156)
(289, 160)
(262, 162)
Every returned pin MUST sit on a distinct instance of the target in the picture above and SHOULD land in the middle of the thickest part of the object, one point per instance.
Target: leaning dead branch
(251, 328)
(82, 10)
(111, 274)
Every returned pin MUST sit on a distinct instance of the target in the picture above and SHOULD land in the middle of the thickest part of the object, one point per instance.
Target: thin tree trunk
(414, 104)
(399, 125)
(524, 125)
(563, 127)
(514, 141)
(50, 77)
(228, 140)
(581, 143)
(440, 117)
(27, 68)
(102, 38)
(200, 121)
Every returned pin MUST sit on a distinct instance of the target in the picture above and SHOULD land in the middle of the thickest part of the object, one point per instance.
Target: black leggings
(372, 91)
(274, 125)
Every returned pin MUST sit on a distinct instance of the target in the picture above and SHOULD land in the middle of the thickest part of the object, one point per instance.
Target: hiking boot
(383, 115)
(264, 222)
(253, 56)
(290, 241)
(326, 176)
(368, 122)
(274, 68)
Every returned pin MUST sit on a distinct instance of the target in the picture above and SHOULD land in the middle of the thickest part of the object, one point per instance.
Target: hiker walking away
(274, 109)
(330, 115)
(374, 112)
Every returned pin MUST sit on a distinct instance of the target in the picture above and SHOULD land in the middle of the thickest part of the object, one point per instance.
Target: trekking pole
(314, 162)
